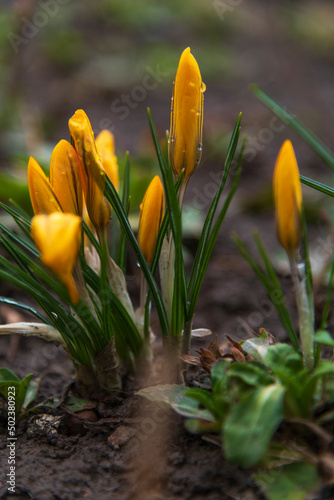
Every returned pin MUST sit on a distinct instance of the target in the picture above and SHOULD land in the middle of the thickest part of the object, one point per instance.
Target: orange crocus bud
(58, 237)
(105, 144)
(151, 213)
(65, 177)
(288, 199)
(186, 123)
(93, 174)
(42, 195)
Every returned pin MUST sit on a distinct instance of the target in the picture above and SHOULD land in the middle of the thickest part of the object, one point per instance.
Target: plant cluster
(65, 259)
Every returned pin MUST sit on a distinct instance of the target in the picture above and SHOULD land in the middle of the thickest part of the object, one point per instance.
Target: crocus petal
(65, 177)
(58, 237)
(185, 141)
(105, 144)
(288, 198)
(151, 213)
(93, 174)
(43, 197)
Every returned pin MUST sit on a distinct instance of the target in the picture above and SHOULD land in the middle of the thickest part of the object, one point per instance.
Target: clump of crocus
(97, 322)
(186, 123)
(288, 206)
(58, 238)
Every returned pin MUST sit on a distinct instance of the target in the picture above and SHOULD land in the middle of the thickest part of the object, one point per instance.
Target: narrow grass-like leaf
(104, 295)
(329, 292)
(91, 237)
(25, 307)
(174, 212)
(112, 196)
(154, 265)
(205, 256)
(127, 337)
(279, 304)
(20, 241)
(121, 250)
(213, 207)
(309, 137)
(74, 335)
(22, 222)
(273, 290)
(323, 188)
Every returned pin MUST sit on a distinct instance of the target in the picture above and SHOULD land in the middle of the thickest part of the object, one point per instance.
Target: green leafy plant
(20, 392)
(261, 412)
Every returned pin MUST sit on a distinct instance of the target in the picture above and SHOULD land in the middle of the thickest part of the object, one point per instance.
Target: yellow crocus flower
(65, 177)
(151, 214)
(42, 195)
(105, 144)
(63, 190)
(288, 198)
(58, 237)
(93, 174)
(186, 124)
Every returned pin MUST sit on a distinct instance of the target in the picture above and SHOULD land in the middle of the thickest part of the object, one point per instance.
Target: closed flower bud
(63, 191)
(105, 144)
(65, 177)
(58, 237)
(42, 195)
(288, 199)
(185, 141)
(151, 214)
(93, 174)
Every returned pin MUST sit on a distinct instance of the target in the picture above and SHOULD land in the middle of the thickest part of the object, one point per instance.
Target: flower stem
(305, 312)
(186, 340)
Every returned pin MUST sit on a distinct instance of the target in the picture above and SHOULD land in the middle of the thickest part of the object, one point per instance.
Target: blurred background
(114, 58)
